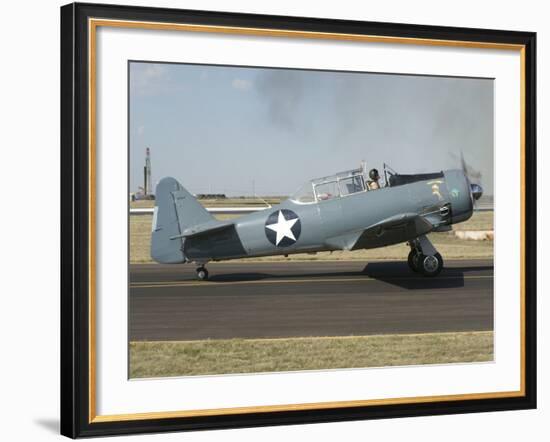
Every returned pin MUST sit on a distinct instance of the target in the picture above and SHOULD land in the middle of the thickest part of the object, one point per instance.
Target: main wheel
(413, 260)
(430, 265)
(202, 273)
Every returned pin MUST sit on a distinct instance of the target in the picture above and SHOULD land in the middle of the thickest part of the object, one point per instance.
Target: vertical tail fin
(175, 210)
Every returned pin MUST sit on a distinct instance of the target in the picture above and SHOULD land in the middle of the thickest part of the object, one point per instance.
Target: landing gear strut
(424, 258)
(414, 256)
(202, 273)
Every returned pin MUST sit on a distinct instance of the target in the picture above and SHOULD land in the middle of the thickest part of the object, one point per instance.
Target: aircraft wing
(393, 230)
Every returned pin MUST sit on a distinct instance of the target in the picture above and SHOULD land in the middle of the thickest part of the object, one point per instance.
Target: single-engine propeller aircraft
(346, 211)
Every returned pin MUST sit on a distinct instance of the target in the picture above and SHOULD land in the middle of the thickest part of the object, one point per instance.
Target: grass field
(447, 244)
(478, 221)
(165, 359)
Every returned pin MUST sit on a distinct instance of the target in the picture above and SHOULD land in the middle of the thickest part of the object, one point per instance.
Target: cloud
(241, 84)
(154, 71)
(148, 78)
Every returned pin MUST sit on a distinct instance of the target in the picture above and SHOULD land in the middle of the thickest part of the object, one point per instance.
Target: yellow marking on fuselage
(436, 192)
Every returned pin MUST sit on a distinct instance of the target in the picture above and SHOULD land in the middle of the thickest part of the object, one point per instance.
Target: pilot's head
(373, 174)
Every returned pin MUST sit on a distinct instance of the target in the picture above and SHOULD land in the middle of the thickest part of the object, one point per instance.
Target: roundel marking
(283, 228)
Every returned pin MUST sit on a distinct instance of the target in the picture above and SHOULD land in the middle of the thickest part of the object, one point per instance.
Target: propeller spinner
(476, 190)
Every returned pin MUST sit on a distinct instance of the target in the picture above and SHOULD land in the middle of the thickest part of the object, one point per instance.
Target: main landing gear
(424, 258)
(202, 273)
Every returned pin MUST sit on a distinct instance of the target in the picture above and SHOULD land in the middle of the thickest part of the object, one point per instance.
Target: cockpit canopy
(354, 181)
(329, 187)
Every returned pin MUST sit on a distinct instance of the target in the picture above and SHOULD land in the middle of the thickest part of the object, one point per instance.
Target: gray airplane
(347, 211)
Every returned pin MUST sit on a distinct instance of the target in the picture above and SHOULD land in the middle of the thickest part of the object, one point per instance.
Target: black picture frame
(76, 402)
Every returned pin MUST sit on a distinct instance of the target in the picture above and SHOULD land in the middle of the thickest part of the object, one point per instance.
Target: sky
(239, 130)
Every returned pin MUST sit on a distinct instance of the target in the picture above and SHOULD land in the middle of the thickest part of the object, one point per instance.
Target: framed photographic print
(274, 220)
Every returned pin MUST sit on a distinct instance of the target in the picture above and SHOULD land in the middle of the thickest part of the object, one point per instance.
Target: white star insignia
(283, 228)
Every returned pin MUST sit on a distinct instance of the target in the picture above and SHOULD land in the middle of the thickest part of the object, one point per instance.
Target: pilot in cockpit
(373, 183)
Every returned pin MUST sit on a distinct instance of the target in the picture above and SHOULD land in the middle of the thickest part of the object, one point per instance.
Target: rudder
(175, 210)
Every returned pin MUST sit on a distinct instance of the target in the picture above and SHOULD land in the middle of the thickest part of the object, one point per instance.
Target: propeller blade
(464, 165)
(470, 172)
(472, 175)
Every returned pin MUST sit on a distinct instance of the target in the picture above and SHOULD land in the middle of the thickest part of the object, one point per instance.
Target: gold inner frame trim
(298, 407)
(301, 34)
(93, 24)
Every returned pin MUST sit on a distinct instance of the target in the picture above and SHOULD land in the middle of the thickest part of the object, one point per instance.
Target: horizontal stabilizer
(213, 241)
(208, 227)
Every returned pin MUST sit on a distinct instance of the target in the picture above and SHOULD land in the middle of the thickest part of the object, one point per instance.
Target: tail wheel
(413, 260)
(202, 273)
(430, 265)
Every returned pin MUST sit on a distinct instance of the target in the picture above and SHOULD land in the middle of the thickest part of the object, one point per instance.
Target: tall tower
(147, 173)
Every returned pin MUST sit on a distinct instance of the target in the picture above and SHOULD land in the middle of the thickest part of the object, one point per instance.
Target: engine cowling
(460, 195)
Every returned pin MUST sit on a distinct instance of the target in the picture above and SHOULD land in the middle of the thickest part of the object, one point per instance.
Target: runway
(312, 298)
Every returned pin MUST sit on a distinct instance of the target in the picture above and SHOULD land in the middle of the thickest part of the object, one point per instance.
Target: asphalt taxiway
(309, 298)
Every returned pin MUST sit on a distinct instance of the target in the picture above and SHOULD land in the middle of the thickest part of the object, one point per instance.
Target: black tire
(412, 260)
(202, 273)
(431, 265)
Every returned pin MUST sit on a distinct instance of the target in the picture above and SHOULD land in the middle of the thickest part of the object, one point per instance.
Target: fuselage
(293, 227)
